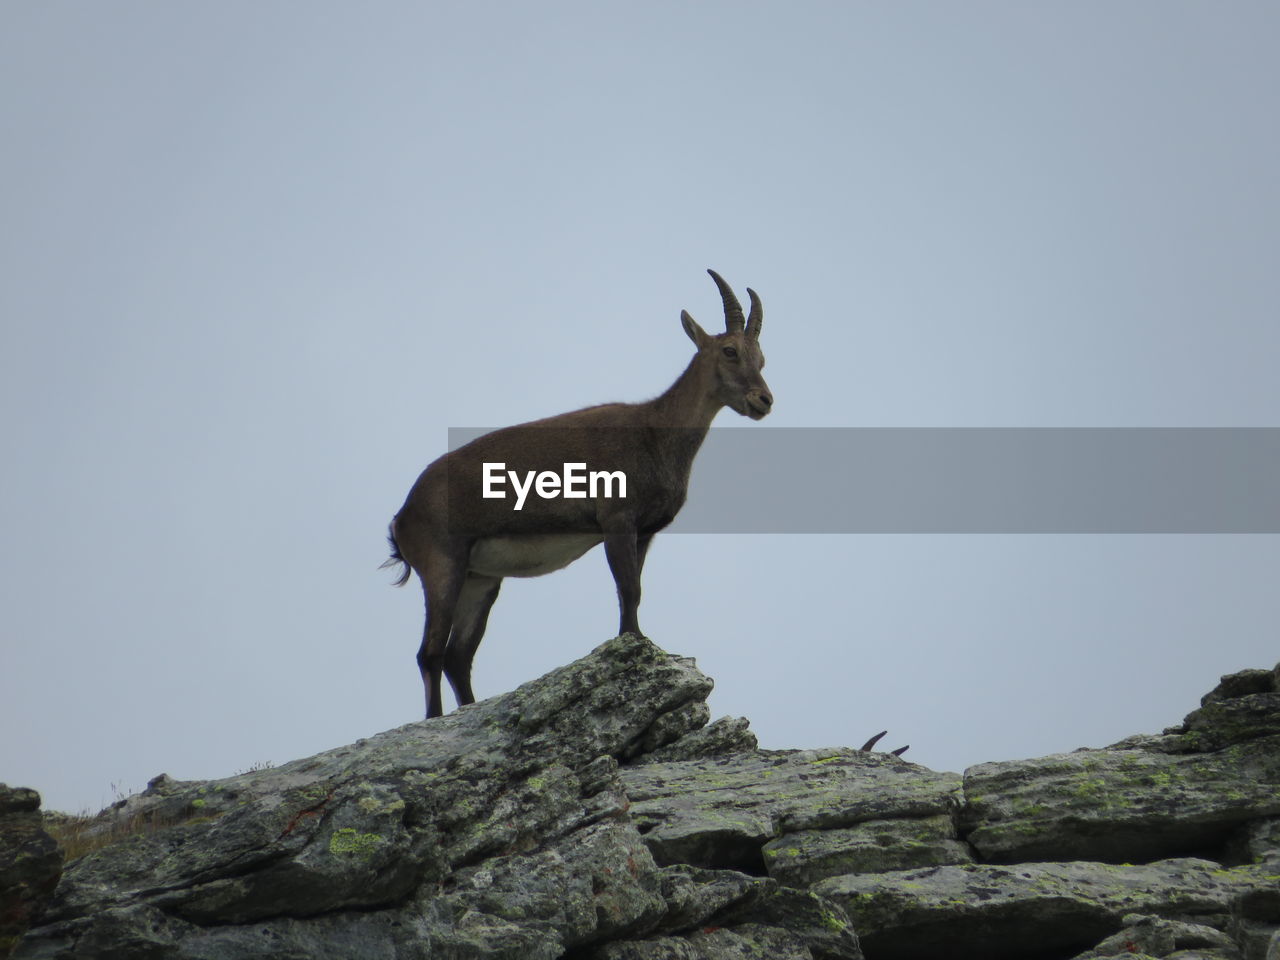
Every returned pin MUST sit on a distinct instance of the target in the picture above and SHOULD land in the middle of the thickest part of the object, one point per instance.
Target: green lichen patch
(349, 842)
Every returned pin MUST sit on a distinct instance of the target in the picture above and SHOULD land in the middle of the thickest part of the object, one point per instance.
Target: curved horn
(870, 744)
(756, 320)
(733, 322)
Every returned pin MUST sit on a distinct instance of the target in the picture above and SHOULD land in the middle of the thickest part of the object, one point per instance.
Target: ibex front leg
(620, 549)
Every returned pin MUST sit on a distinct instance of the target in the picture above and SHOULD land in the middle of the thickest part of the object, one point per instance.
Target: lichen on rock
(595, 814)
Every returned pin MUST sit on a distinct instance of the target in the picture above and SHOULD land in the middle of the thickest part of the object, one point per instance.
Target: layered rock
(30, 864)
(501, 830)
(1030, 909)
(1120, 805)
(751, 811)
(592, 814)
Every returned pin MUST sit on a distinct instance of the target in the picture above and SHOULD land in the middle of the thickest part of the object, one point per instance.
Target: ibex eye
(731, 353)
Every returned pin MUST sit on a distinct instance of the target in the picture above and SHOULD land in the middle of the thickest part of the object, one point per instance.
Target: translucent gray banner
(981, 480)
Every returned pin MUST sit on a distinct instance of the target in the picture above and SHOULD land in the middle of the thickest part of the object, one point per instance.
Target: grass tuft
(79, 835)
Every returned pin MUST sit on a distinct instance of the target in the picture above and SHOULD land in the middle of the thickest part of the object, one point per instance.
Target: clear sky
(258, 258)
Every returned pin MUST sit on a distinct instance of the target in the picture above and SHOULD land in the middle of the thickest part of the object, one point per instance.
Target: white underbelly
(530, 556)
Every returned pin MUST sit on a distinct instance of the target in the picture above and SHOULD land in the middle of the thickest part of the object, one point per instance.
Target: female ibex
(462, 535)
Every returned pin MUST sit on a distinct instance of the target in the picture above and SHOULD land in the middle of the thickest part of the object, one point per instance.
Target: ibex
(462, 536)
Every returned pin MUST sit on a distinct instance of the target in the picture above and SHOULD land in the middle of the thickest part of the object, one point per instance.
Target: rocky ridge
(594, 814)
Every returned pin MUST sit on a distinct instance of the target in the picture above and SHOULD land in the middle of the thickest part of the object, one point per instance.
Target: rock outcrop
(594, 814)
(30, 864)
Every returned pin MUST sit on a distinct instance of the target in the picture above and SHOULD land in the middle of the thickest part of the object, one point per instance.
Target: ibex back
(462, 542)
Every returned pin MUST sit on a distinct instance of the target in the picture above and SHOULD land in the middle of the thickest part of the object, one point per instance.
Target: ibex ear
(695, 332)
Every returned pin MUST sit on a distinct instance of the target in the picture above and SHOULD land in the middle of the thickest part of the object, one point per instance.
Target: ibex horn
(733, 322)
(756, 320)
(866, 747)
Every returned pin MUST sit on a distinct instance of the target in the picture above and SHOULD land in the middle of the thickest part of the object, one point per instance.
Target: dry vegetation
(78, 835)
(84, 833)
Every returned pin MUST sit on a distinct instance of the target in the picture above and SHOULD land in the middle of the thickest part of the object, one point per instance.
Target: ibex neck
(689, 401)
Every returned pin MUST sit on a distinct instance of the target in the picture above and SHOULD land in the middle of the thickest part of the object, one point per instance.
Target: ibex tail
(396, 558)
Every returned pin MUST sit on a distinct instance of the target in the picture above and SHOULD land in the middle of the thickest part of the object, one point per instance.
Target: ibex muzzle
(462, 538)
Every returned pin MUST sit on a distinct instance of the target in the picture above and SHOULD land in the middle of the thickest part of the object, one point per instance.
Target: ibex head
(735, 354)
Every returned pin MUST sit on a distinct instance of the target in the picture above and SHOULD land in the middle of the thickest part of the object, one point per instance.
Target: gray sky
(258, 258)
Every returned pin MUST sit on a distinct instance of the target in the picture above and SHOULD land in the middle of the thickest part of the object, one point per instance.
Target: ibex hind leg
(470, 616)
(440, 586)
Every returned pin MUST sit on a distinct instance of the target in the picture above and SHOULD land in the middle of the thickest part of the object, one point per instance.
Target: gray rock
(721, 913)
(30, 864)
(694, 895)
(778, 922)
(821, 923)
(1257, 841)
(1255, 914)
(1118, 805)
(1221, 723)
(501, 828)
(1262, 841)
(1157, 937)
(1029, 908)
(720, 812)
(1243, 684)
(590, 814)
(728, 735)
(748, 942)
(658, 948)
(876, 846)
(1184, 792)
